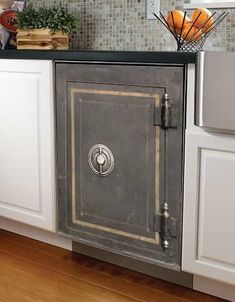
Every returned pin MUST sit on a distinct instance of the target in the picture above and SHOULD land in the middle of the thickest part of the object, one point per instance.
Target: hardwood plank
(136, 284)
(34, 271)
(104, 274)
(11, 293)
(140, 292)
(33, 244)
(46, 260)
(53, 285)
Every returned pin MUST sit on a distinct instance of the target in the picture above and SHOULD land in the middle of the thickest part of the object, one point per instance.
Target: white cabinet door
(209, 209)
(27, 188)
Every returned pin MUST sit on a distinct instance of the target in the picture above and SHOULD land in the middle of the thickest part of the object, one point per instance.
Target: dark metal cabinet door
(112, 160)
(117, 196)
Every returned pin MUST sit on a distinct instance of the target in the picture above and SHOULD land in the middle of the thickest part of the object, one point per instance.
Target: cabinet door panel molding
(27, 142)
(209, 225)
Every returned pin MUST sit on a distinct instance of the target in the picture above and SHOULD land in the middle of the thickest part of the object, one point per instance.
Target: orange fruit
(177, 19)
(191, 33)
(176, 30)
(205, 15)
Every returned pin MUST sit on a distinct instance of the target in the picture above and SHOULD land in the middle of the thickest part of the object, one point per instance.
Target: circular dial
(101, 160)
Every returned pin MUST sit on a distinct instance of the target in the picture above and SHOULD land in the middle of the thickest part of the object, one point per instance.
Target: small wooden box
(42, 39)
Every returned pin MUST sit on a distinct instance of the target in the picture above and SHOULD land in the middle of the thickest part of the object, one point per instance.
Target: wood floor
(34, 271)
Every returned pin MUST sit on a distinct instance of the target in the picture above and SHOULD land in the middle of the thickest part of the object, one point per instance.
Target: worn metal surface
(124, 200)
(115, 105)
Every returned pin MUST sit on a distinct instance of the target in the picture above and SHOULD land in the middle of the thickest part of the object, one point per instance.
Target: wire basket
(192, 41)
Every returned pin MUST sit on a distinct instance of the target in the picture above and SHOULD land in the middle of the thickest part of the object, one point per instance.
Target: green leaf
(55, 18)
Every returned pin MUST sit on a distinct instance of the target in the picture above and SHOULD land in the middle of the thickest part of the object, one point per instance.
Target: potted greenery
(44, 28)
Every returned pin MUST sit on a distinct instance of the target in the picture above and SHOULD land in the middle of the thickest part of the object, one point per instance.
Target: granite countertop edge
(162, 57)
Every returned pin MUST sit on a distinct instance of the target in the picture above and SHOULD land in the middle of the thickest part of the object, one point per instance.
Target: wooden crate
(42, 39)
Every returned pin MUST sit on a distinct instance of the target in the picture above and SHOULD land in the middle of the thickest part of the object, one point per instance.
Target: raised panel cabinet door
(27, 143)
(209, 209)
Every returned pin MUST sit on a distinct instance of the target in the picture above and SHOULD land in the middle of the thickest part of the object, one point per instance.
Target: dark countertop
(105, 56)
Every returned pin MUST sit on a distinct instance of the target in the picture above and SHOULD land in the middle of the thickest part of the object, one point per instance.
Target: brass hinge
(165, 225)
(166, 116)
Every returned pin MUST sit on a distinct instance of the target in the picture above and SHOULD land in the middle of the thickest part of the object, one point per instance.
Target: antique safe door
(119, 144)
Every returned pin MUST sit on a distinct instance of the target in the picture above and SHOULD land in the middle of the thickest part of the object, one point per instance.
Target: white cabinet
(27, 180)
(209, 206)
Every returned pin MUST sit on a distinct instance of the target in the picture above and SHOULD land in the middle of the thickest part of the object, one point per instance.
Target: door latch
(165, 225)
(166, 116)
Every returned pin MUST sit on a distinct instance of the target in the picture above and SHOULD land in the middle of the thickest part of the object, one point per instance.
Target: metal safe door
(119, 171)
(114, 157)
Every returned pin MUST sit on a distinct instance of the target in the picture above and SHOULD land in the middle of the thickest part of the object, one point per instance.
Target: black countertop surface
(105, 56)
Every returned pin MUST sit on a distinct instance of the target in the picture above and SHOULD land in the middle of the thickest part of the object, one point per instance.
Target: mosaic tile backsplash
(122, 25)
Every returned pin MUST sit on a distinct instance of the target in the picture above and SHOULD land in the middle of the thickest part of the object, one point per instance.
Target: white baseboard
(35, 233)
(215, 288)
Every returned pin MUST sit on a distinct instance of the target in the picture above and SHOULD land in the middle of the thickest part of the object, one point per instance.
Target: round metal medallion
(101, 160)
